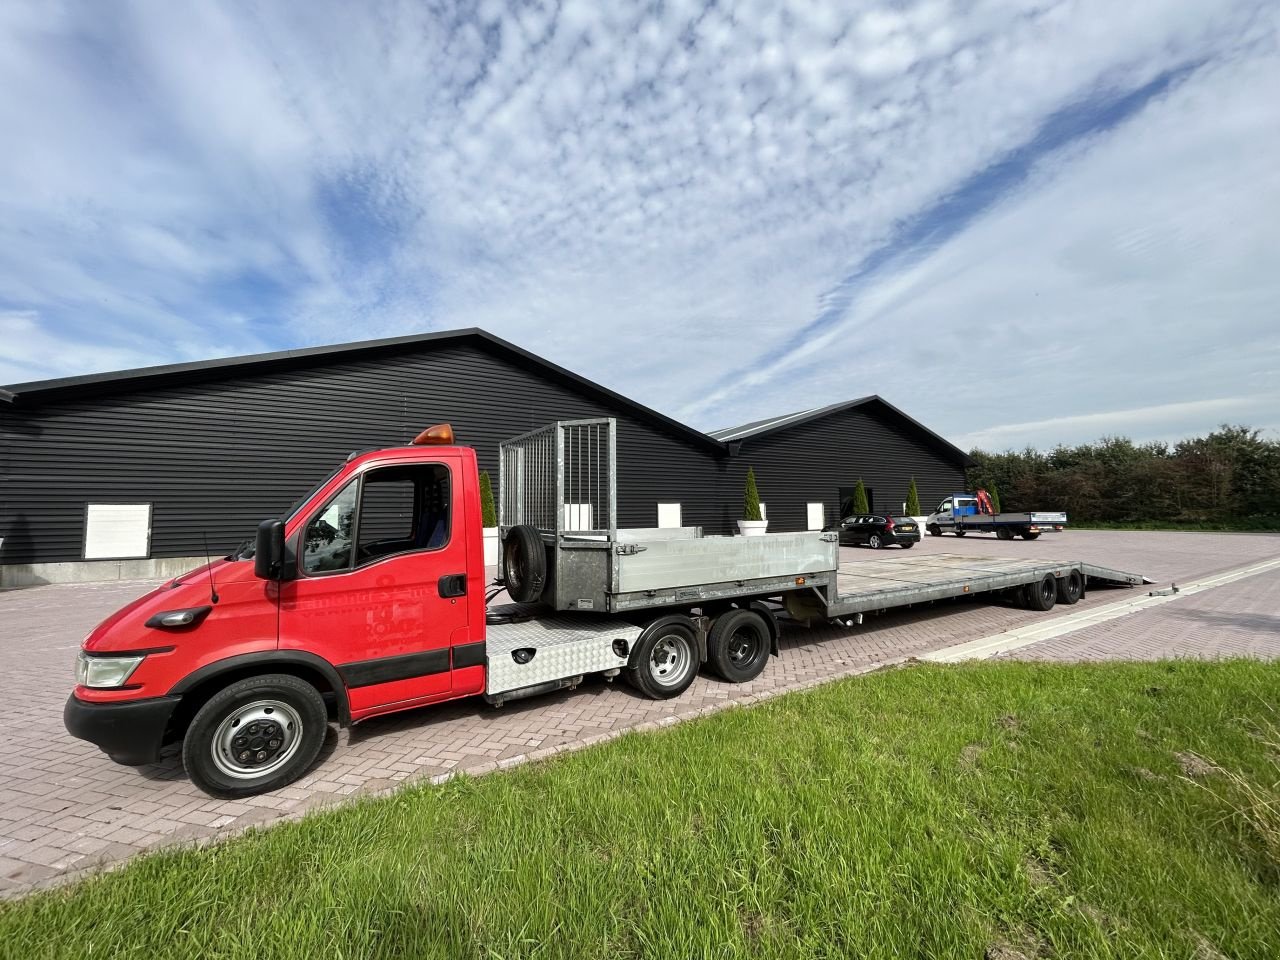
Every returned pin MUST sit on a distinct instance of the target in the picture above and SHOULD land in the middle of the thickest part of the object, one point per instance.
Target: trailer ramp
(881, 584)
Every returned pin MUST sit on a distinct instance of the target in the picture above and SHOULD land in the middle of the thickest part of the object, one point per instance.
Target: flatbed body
(568, 645)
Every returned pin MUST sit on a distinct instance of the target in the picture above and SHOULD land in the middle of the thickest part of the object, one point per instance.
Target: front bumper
(131, 733)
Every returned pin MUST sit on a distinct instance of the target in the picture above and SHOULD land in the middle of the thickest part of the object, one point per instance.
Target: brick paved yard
(65, 808)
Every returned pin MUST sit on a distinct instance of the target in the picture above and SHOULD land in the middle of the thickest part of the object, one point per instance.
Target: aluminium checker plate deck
(564, 645)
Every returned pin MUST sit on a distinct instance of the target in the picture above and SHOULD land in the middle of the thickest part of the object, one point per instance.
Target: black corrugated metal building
(214, 447)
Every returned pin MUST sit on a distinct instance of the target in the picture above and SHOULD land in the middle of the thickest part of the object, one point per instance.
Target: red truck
(369, 597)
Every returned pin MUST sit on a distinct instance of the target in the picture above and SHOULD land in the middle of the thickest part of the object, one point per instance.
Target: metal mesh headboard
(561, 478)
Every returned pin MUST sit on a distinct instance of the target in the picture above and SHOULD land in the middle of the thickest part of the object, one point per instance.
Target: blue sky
(1024, 222)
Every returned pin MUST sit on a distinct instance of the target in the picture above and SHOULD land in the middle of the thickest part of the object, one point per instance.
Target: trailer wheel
(874, 541)
(738, 647)
(1004, 533)
(524, 563)
(934, 530)
(1071, 588)
(1041, 596)
(664, 660)
(1031, 536)
(256, 735)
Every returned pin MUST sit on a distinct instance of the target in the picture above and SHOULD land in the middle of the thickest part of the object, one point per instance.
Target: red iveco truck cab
(367, 598)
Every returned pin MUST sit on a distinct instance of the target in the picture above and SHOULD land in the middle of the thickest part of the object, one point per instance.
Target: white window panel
(669, 515)
(817, 516)
(115, 531)
(577, 516)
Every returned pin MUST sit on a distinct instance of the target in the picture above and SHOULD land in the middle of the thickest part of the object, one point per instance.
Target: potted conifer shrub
(860, 505)
(489, 520)
(913, 504)
(752, 523)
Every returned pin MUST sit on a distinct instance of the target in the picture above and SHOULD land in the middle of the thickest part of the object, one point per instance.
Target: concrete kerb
(202, 837)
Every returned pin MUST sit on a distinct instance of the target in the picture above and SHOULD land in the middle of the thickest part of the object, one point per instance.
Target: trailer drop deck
(898, 581)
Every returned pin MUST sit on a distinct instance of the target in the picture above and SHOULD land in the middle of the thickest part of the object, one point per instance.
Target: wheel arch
(762, 608)
(197, 687)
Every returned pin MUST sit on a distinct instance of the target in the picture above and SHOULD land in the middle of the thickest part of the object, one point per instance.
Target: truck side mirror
(268, 554)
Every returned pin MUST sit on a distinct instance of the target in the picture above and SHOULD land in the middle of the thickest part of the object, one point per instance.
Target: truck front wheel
(256, 735)
(934, 530)
(738, 647)
(665, 659)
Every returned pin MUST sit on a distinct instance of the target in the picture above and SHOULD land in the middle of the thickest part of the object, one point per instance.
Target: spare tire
(524, 563)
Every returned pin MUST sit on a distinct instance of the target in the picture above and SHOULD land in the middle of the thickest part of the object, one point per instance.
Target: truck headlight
(106, 673)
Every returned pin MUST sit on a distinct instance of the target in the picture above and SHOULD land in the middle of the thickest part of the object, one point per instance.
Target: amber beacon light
(439, 435)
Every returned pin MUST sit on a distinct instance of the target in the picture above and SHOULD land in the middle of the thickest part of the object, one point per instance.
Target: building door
(846, 501)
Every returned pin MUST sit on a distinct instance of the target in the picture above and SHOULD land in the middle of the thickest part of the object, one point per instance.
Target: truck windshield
(246, 549)
(297, 504)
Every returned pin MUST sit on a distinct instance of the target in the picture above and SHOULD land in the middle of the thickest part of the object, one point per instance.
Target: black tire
(276, 704)
(524, 563)
(934, 530)
(1041, 596)
(1004, 533)
(874, 541)
(907, 544)
(652, 671)
(960, 533)
(738, 647)
(1071, 588)
(1031, 536)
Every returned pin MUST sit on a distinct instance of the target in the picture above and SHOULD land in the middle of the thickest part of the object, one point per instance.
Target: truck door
(942, 516)
(381, 584)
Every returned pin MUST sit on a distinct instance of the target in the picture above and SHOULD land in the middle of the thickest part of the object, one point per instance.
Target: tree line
(1228, 479)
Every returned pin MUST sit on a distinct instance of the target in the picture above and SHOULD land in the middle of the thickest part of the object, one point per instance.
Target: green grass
(922, 812)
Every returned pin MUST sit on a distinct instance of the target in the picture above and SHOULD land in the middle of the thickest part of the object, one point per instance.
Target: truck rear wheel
(1041, 595)
(256, 735)
(1004, 533)
(665, 658)
(738, 647)
(1071, 588)
(524, 563)
(1031, 536)
(960, 533)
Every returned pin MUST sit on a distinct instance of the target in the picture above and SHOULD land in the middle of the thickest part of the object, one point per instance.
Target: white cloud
(1142, 423)
(660, 198)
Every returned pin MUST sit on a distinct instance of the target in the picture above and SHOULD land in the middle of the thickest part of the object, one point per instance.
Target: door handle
(453, 585)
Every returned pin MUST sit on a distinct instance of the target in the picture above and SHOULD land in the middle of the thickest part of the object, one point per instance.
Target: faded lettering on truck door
(369, 596)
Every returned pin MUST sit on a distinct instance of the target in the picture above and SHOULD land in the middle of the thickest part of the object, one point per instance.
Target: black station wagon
(877, 532)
